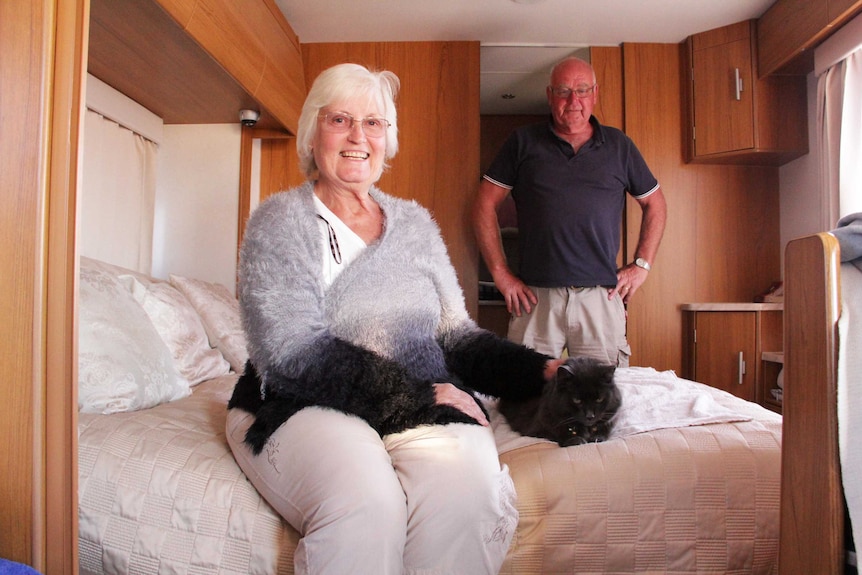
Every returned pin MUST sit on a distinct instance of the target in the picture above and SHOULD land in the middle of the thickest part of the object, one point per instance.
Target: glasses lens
(561, 92)
(374, 127)
(338, 122)
(584, 91)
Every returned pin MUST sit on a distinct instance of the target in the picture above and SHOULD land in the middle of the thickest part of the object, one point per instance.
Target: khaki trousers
(430, 500)
(580, 321)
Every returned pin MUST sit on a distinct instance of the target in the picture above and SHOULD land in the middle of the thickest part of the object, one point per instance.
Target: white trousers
(430, 500)
(580, 321)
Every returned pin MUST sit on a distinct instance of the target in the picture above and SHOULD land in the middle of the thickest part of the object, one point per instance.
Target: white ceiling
(520, 39)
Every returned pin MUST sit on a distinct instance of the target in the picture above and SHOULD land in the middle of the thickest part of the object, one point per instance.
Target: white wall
(799, 183)
(197, 190)
(195, 229)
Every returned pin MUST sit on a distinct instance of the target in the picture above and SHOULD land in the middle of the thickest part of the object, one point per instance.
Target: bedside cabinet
(735, 347)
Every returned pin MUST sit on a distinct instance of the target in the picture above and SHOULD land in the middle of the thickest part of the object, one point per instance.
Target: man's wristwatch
(642, 263)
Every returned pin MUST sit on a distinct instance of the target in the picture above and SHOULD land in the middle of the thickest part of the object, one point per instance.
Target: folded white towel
(656, 400)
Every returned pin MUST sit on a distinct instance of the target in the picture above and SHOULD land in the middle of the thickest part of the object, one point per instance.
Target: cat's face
(582, 400)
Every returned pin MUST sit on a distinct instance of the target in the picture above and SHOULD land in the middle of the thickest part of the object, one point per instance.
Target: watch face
(642, 263)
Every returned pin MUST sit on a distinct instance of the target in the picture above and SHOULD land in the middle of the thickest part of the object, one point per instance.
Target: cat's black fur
(380, 391)
(386, 403)
(577, 407)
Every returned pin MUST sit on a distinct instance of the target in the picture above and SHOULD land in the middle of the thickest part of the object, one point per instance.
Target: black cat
(358, 381)
(577, 407)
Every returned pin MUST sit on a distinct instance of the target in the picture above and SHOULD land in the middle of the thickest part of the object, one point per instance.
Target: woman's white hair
(341, 83)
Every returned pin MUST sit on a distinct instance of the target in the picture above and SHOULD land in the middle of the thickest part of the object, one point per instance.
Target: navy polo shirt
(569, 204)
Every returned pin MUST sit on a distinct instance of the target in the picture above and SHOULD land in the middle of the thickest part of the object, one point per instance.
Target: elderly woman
(356, 417)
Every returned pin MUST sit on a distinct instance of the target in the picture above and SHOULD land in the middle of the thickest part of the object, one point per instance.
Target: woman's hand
(448, 394)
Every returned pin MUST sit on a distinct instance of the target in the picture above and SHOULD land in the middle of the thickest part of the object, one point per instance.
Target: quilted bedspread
(677, 499)
(160, 492)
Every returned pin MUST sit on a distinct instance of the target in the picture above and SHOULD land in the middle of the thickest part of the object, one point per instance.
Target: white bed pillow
(219, 310)
(180, 327)
(123, 364)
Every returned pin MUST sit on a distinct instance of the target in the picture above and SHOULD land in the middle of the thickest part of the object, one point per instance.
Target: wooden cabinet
(734, 116)
(789, 30)
(725, 345)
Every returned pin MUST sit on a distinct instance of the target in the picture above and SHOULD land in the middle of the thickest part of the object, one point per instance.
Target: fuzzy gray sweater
(396, 315)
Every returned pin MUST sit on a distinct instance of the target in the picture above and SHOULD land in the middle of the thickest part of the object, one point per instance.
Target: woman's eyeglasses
(339, 122)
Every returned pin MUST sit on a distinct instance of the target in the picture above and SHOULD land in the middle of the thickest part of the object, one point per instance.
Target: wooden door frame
(55, 529)
(246, 151)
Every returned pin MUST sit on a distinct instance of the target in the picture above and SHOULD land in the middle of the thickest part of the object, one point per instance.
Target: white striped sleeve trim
(501, 184)
(649, 193)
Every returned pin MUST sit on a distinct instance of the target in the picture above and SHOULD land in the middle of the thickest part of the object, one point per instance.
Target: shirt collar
(596, 140)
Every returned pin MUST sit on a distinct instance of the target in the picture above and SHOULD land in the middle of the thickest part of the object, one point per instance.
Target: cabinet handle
(741, 368)
(738, 84)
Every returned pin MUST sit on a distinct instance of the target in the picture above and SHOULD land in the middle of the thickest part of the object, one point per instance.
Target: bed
(821, 468)
(689, 483)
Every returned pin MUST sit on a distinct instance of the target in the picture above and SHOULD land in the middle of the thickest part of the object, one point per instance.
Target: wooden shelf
(773, 363)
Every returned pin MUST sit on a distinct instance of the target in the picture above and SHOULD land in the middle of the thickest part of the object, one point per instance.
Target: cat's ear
(565, 371)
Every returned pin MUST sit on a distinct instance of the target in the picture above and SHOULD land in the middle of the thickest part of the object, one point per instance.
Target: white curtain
(839, 119)
(118, 190)
(850, 170)
(830, 93)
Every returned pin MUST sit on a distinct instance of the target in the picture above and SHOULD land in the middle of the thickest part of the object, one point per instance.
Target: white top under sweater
(349, 243)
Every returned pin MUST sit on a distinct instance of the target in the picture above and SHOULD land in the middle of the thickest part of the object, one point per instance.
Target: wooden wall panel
(607, 61)
(738, 246)
(610, 110)
(494, 131)
(279, 166)
(721, 243)
(22, 36)
(438, 123)
(653, 119)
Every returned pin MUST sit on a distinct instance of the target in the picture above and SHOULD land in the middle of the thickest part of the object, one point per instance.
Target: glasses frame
(564, 92)
(347, 127)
